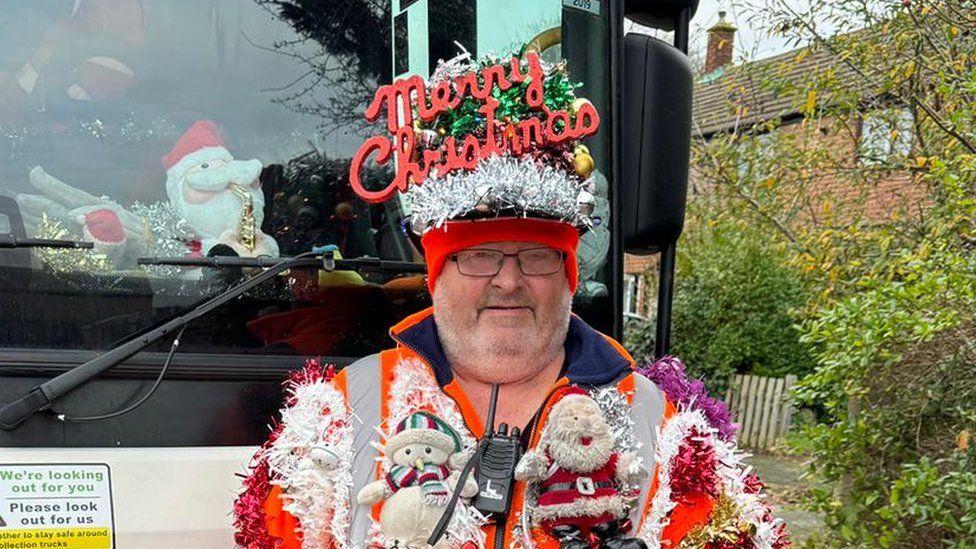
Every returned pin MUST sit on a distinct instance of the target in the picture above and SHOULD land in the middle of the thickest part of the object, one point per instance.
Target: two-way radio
(496, 469)
(496, 456)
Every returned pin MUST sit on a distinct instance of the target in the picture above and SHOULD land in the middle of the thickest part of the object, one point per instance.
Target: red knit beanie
(439, 243)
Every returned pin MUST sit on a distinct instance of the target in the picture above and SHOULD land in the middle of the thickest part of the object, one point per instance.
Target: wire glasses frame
(487, 262)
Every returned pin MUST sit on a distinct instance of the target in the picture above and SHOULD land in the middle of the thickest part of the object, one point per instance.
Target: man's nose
(510, 275)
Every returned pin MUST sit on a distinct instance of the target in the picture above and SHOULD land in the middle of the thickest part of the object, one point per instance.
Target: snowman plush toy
(425, 459)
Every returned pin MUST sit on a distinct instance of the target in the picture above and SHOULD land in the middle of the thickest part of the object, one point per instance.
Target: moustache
(217, 178)
(518, 300)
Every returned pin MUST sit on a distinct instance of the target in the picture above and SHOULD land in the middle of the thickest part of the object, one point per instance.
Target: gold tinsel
(723, 525)
(63, 260)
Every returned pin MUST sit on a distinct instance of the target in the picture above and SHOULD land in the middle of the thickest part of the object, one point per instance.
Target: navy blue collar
(590, 358)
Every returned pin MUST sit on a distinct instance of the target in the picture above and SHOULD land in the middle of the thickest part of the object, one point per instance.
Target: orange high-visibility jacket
(303, 485)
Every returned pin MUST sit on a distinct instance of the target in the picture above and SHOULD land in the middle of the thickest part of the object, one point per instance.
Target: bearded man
(500, 243)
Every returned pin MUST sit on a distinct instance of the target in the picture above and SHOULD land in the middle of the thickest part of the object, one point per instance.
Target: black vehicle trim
(146, 365)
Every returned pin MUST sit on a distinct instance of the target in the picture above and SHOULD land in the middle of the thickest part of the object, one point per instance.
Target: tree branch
(846, 60)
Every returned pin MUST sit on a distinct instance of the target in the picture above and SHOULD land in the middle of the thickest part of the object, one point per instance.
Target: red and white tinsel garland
(317, 417)
(415, 389)
(694, 460)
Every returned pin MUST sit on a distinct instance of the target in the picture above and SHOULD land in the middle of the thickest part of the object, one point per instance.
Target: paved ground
(781, 474)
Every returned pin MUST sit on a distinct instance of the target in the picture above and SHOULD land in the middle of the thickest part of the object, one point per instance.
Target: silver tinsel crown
(502, 186)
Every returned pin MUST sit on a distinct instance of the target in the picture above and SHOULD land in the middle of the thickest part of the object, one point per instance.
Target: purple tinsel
(668, 373)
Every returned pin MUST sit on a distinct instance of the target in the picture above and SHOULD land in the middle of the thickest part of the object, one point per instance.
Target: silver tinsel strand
(616, 411)
(412, 390)
(319, 497)
(500, 185)
(464, 63)
(169, 234)
(452, 68)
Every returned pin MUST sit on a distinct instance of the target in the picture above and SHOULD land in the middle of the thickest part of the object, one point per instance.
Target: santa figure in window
(213, 199)
(219, 197)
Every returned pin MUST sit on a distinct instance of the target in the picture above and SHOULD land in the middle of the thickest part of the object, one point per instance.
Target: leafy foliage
(732, 311)
(934, 498)
(733, 304)
(884, 234)
(639, 337)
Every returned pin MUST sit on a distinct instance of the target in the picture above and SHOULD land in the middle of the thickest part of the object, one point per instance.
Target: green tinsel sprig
(558, 94)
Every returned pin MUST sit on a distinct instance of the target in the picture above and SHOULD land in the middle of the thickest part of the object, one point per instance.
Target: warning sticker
(64, 505)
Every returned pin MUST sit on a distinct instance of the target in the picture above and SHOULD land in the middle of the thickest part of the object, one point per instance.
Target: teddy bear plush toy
(581, 479)
(426, 457)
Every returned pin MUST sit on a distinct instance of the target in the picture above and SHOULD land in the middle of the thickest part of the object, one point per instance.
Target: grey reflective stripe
(647, 413)
(363, 387)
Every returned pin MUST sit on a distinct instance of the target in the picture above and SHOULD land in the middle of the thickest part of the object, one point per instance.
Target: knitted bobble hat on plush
(423, 428)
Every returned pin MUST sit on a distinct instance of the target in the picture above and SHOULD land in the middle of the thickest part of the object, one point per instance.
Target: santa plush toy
(103, 227)
(213, 199)
(220, 197)
(581, 480)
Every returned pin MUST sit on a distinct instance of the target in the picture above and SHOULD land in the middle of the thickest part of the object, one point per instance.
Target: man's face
(510, 319)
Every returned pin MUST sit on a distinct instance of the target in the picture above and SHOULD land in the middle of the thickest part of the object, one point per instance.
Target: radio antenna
(493, 403)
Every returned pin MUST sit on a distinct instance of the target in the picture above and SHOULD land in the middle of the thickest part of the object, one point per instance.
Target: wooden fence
(762, 408)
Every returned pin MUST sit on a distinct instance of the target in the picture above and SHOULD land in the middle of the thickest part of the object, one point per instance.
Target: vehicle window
(225, 128)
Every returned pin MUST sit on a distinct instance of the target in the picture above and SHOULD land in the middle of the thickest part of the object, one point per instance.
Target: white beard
(569, 453)
(221, 213)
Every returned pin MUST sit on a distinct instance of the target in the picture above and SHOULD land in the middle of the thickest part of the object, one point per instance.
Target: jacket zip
(502, 525)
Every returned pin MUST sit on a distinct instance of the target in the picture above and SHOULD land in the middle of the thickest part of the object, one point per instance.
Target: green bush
(934, 501)
(733, 303)
(639, 337)
(895, 377)
(891, 313)
(733, 307)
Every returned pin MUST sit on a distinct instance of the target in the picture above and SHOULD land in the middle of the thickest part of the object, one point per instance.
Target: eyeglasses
(487, 262)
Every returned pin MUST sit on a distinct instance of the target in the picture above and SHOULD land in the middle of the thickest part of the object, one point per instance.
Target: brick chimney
(721, 38)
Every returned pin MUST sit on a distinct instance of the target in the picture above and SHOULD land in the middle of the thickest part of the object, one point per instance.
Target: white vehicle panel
(162, 497)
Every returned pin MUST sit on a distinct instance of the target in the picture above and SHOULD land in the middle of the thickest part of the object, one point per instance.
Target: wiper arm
(325, 262)
(41, 397)
(10, 241)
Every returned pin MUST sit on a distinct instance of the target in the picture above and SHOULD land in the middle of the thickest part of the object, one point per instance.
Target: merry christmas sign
(456, 120)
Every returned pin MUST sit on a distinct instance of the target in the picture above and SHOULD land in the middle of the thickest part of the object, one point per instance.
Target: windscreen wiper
(326, 262)
(41, 397)
(10, 241)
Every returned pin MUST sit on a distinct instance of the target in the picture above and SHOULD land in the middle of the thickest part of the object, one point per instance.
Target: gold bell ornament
(582, 161)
